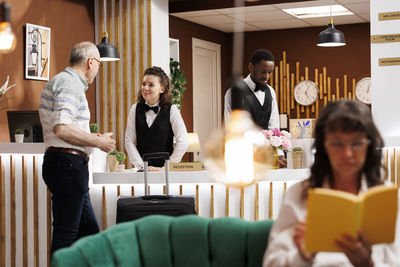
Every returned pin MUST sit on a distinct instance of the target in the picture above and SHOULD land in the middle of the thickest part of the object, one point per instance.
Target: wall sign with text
(389, 61)
(389, 15)
(385, 38)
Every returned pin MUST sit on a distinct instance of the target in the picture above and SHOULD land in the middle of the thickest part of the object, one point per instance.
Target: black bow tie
(260, 87)
(147, 108)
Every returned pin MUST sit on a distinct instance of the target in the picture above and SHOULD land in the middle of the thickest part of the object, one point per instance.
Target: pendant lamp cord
(330, 12)
(105, 13)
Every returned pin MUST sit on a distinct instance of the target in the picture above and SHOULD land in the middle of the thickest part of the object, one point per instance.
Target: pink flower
(268, 134)
(276, 132)
(278, 139)
(286, 133)
(275, 141)
(286, 145)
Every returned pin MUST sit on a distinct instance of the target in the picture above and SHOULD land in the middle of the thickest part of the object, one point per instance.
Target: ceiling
(270, 16)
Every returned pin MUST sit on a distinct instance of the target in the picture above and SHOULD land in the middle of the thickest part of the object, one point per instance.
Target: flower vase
(113, 163)
(275, 160)
(297, 158)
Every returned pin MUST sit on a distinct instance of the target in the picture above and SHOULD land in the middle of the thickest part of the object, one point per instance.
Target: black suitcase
(132, 208)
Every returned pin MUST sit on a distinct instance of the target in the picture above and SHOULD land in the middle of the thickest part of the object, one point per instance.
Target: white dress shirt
(178, 128)
(274, 118)
(282, 250)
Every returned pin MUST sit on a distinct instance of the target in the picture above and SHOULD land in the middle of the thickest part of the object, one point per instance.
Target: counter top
(188, 177)
(22, 148)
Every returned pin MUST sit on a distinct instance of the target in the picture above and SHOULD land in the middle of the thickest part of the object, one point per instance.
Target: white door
(206, 89)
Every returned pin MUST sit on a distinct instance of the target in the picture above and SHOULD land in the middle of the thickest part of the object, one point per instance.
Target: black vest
(260, 114)
(158, 138)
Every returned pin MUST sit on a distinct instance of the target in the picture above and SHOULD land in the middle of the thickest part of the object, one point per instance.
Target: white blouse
(178, 128)
(282, 250)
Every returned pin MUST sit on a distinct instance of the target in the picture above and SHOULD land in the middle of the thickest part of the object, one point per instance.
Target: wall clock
(306, 92)
(363, 90)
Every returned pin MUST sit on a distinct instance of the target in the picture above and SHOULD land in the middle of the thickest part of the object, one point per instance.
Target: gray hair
(81, 52)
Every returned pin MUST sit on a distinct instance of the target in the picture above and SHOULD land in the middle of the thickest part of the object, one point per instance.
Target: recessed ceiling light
(318, 11)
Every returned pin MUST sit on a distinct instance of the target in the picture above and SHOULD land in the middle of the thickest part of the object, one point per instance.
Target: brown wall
(184, 31)
(71, 21)
(299, 44)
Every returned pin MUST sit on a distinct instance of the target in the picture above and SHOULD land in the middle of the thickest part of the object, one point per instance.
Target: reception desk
(25, 203)
(256, 202)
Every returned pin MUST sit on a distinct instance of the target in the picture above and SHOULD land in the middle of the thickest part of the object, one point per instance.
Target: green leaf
(178, 82)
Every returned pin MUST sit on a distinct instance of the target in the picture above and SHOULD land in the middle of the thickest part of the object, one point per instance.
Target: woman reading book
(348, 158)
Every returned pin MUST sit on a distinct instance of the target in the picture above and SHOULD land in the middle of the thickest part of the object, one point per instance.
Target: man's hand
(155, 169)
(75, 136)
(282, 162)
(106, 143)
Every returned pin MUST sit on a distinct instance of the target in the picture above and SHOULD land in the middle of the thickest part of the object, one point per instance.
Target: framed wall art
(37, 52)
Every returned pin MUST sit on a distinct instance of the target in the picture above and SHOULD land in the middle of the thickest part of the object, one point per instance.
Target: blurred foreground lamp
(8, 40)
(108, 52)
(331, 37)
(239, 155)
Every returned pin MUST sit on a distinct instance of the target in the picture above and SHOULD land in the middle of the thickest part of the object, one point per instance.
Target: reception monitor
(29, 122)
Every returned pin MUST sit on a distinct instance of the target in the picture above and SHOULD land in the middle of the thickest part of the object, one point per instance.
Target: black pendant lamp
(108, 52)
(331, 37)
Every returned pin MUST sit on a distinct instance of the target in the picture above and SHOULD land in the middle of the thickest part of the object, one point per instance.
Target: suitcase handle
(156, 155)
(146, 157)
(158, 197)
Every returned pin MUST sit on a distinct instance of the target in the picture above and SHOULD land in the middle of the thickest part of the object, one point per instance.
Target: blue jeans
(67, 176)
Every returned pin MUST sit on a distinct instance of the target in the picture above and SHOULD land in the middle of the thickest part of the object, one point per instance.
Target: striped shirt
(63, 101)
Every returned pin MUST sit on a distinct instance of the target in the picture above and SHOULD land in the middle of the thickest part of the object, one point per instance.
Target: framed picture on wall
(37, 52)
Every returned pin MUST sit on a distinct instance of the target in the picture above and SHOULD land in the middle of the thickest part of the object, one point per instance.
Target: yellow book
(331, 213)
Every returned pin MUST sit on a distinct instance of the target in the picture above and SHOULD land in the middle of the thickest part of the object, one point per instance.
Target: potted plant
(178, 81)
(112, 161)
(121, 158)
(19, 135)
(94, 128)
(297, 157)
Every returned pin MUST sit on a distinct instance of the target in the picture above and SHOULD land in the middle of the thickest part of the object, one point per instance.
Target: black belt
(69, 151)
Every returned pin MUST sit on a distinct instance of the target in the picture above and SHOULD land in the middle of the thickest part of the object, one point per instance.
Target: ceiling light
(318, 11)
(108, 52)
(331, 37)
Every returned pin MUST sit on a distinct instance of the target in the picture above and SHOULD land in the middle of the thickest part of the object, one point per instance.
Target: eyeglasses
(355, 145)
(100, 63)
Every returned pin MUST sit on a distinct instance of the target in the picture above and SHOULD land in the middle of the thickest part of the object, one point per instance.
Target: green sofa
(185, 241)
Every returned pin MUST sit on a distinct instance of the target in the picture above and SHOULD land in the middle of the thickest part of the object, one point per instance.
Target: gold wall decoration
(389, 15)
(389, 61)
(385, 38)
(129, 28)
(286, 78)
